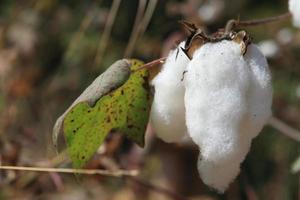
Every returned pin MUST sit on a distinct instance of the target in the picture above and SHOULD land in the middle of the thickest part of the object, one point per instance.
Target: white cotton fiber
(228, 98)
(294, 7)
(260, 93)
(269, 48)
(168, 112)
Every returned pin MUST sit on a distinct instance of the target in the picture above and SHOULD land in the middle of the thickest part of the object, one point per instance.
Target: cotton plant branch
(140, 27)
(231, 24)
(285, 129)
(107, 31)
(136, 28)
(130, 174)
(117, 173)
(148, 15)
(50, 166)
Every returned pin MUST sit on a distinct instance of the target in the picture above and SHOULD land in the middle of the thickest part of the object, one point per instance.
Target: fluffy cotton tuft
(228, 100)
(168, 112)
(294, 7)
(269, 48)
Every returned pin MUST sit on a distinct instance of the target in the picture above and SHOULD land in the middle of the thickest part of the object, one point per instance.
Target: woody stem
(231, 24)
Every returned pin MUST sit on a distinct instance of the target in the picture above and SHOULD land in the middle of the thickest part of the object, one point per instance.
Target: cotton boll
(269, 48)
(168, 112)
(285, 36)
(211, 10)
(294, 7)
(215, 100)
(224, 109)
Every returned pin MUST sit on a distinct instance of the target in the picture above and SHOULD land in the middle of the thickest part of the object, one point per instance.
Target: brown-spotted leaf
(112, 78)
(125, 109)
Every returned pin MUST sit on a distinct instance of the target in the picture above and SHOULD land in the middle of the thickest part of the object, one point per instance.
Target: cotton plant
(227, 99)
(215, 89)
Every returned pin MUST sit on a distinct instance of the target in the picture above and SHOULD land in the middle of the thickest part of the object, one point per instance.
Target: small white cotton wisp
(269, 48)
(168, 112)
(228, 100)
(294, 7)
(260, 93)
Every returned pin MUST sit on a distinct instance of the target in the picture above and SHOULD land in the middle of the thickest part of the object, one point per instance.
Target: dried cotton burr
(294, 7)
(228, 97)
(168, 112)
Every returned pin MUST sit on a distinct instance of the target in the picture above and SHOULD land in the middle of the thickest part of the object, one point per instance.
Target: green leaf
(112, 78)
(124, 110)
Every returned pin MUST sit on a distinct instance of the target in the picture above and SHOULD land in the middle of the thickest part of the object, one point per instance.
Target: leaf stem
(152, 64)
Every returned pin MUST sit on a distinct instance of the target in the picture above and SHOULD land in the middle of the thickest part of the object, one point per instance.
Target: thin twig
(265, 20)
(152, 63)
(136, 28)
(107, 30)
(142, 26)
(285, 129)
(148, 15)
(85, 23)
(237, 23)
(117, 173)
(158, 189)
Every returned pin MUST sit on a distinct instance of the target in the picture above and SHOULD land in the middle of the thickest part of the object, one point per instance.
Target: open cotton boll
(216, 84)
(222, 88)
(294, 7)
(168, 112)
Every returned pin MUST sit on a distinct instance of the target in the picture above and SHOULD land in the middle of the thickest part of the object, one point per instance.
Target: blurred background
(51, 50)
